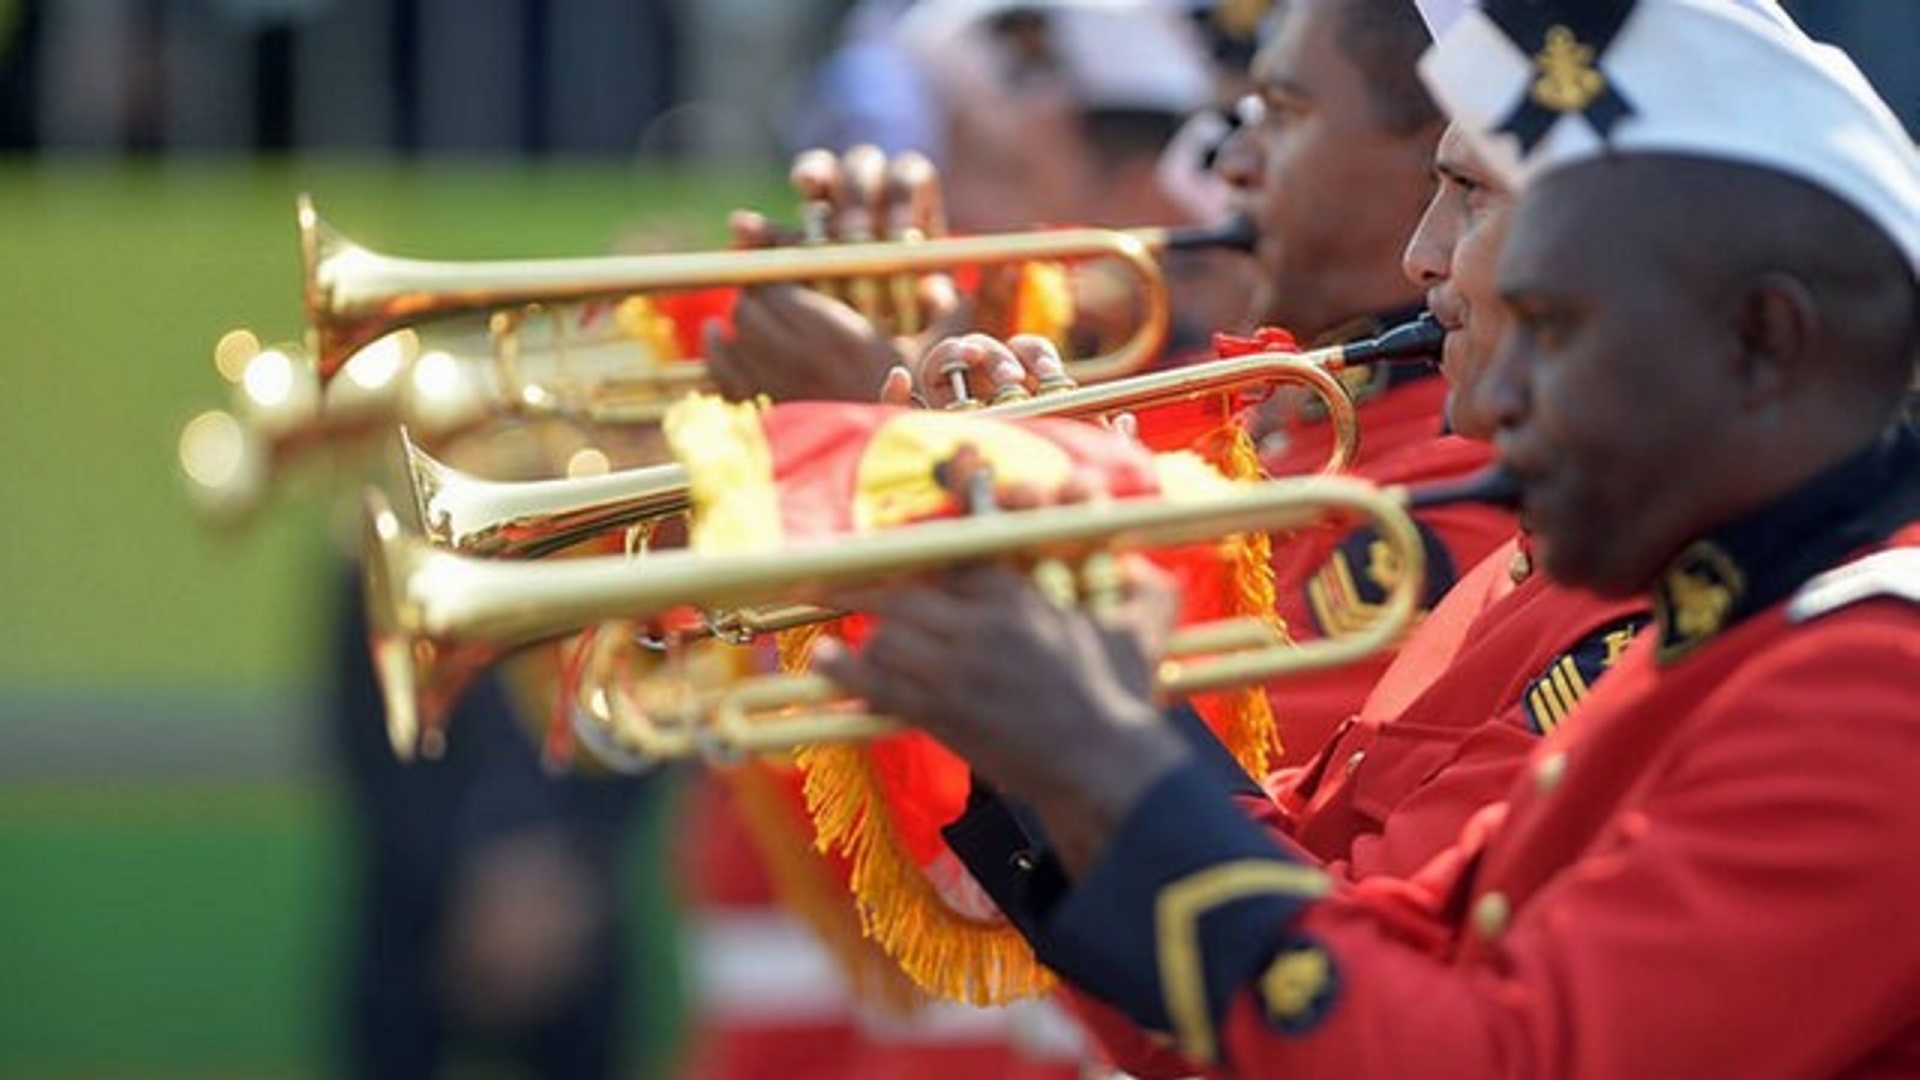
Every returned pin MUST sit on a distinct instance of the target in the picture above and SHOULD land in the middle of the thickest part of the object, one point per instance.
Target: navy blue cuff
(1210, 750)
(1190, 901)
(1007, 851)
(1008, 855)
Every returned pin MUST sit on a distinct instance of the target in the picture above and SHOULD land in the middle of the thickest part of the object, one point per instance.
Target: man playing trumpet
(1746, 292)
(1333, 175)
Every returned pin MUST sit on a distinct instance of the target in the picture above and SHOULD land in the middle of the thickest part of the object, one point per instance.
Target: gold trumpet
(281, 413)
(354, 296)
(528, 519)
(440, 618)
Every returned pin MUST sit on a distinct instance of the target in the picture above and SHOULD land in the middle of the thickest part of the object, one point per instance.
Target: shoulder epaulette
(1894, 572)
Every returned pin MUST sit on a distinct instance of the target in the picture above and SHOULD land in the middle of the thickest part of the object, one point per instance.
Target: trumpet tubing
(534, 518)
(354, 296)
(439, 618)
(529, 519)
(281, 413)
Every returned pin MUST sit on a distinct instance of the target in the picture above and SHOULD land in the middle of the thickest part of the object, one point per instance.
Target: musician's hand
(865, 195)
(793, 344)
(984, 368)
(851, 340)
(852, 198)
(1006, 674)
(1053, 706)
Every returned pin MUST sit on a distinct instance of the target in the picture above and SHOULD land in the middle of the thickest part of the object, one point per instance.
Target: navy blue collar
(1759, 559)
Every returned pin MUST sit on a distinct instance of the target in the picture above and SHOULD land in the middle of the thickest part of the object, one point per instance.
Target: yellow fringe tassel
(1243, 718)
(945, 953)
(948, 954)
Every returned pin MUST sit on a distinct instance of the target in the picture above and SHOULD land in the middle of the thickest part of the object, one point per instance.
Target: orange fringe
(948, 954)
(1243, 718)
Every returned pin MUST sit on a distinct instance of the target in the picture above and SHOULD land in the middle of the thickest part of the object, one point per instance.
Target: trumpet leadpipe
(354, 296)
(439, 618)
(1492, 486)
(528, 519)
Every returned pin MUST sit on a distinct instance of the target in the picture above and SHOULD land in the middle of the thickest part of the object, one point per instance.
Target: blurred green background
(171, 844)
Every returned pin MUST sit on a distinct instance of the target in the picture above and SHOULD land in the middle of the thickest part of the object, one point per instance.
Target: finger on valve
(1044, 370)
(860, 213)
(815, 177)
(914, 212)
(966, 370)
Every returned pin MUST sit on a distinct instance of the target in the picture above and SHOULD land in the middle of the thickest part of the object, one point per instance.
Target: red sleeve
(1731, 895)
(1751, 916)
(1328, 579)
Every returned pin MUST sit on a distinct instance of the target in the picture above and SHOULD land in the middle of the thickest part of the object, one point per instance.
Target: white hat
(1112, 54)
(1440, 15)
(1537, 85)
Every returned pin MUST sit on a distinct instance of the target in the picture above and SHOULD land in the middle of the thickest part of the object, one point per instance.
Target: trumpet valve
(1056, 582)
(954, 372)
(1101, 584)
(1054, 382)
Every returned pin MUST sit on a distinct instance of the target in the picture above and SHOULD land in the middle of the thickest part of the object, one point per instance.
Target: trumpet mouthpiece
(1235, 234)
(1418, 340)
(1492, 486)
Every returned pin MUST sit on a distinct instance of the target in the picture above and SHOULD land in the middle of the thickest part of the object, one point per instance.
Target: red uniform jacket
(1328, 579)
(1453, 719)
(1441, 736)
(1712, 874)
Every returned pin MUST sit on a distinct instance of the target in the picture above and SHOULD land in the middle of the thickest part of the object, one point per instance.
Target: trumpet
(439, 618)
(354, 296)
(529, 519)
(281, 412)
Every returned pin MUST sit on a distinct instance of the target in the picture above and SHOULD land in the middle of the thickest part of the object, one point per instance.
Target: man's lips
(1445, 312)
(1527, 471)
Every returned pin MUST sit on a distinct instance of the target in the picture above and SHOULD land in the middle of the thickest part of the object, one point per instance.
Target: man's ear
(1775, 324)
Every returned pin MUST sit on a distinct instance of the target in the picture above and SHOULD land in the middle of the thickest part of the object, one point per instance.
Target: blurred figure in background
(1050, 114)
(869, 88)
(1060, 114)
(492, 916)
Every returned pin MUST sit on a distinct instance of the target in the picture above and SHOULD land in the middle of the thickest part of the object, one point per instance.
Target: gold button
(1520, 567)
(1490, 914)
(1549, 771)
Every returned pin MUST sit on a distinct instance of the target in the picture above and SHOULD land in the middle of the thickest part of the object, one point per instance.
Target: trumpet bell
(421, 673)
(534, 518)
